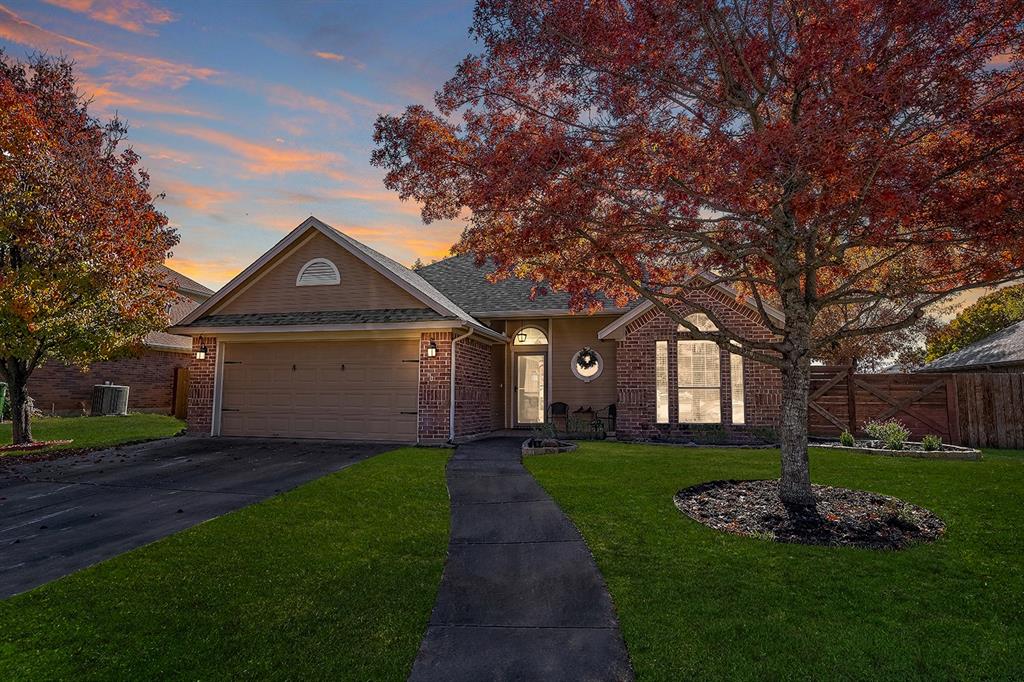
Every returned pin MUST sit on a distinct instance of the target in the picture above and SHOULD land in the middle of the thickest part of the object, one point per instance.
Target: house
(324, 337)
(150, 373)
(999, 352)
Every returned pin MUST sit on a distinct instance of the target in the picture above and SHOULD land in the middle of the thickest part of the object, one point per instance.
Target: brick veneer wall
(635, 378)
(474, 379)
(62, 389)
(200, 387)
(434, 397)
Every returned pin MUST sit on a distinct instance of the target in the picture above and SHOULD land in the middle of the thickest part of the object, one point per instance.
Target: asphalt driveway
(61, 516)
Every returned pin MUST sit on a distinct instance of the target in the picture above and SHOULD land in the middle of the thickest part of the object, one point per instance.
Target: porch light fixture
(201, 353)
(432, 350)
(521, 337)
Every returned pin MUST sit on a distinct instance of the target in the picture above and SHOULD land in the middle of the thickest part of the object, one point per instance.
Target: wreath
(586, 359)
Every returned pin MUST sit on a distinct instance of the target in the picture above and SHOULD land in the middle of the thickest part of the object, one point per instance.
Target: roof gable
(397, 274)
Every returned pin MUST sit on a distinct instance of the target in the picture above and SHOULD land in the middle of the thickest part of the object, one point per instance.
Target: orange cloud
(131, 15)
(107, 99)
(261, 159)
(198, 198)
(335, 57)
(131, 69)
(289, 97)
(330, 56)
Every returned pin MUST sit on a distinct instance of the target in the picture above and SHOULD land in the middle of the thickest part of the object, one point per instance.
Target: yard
(96, 432)
(696, 603)
(333, 580)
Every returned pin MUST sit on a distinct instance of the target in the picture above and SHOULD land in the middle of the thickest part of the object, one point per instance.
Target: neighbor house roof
(192, 293)
(183, 284)
(466, 283)
(1005, 347)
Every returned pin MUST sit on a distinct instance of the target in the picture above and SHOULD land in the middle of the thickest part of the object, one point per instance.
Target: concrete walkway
(521, 597)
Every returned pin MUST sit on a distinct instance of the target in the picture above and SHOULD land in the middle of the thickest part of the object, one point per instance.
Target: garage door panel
(351, 390)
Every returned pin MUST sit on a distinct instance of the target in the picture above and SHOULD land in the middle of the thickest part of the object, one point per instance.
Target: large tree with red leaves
(857, 161)
(79, 236)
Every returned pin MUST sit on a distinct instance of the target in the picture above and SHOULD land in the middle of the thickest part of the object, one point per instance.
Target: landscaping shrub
(846, 438)
(931, 442)
(892, 433)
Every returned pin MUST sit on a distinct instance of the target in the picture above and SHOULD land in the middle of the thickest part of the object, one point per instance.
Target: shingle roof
(321, 317)
(189, 291)
(466, 283)
(1004, 347)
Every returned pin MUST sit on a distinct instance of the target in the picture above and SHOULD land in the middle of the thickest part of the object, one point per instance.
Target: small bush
(846, 438)
(892, 433)
(931, 442)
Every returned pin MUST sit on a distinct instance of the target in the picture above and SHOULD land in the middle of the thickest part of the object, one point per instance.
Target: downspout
(451, 399)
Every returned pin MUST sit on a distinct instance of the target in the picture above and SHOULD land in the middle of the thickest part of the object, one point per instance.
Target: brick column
(200, 387)
(434, 389)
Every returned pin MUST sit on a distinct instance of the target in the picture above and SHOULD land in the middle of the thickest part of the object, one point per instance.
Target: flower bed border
(953, 452)
(35, 445)
(563, 446)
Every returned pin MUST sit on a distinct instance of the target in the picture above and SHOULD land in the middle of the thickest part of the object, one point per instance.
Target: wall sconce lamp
(201, 353)
(432, 350)
(521, 337)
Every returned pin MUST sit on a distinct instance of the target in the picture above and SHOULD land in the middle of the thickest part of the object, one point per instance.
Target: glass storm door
(530, 389)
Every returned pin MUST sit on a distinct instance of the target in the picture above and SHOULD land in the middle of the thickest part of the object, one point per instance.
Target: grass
(95, 432)
(332, 580)
(696, 603)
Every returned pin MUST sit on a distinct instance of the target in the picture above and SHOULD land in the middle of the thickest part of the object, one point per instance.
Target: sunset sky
(251, 116)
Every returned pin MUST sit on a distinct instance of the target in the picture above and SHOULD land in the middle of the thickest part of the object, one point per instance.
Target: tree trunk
(795, 483)
(16, 375)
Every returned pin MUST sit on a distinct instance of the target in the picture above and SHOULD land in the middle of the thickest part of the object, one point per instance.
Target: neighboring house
(150, 373)
(323, 337)
(999, 352)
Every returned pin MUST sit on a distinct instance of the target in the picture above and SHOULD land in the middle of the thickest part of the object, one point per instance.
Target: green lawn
(333, 580)
(90, 432)
(696, 603)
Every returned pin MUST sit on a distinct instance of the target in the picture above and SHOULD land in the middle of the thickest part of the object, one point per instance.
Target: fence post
(851, 398)
(953, 410)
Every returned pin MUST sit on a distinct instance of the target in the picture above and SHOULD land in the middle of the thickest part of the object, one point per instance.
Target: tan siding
(273, 289)
(568, 336)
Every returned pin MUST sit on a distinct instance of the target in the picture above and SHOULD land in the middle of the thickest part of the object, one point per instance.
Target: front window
(661, 381)
(530, 336)
(699, 381)
(736, 374)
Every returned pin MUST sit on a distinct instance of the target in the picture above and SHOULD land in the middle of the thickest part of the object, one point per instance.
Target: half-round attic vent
(318, 272)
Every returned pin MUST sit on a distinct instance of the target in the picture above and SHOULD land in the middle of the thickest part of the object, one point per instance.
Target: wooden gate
(991, 409)
(841, 399)
(181, 392)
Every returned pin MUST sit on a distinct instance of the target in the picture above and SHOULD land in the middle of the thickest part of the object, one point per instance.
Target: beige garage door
(353, 390)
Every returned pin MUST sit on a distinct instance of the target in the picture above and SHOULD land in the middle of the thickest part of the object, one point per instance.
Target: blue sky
(251, 116)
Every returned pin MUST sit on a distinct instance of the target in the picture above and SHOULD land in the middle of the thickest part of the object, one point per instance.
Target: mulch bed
(844, 517)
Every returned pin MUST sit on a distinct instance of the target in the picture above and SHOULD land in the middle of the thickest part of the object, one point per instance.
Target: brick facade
(434, 392)
(474, 386)
(637, 418)
(65, 390)
(200, 386)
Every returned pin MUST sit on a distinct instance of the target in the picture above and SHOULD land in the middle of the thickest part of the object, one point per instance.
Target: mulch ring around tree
(844, 517)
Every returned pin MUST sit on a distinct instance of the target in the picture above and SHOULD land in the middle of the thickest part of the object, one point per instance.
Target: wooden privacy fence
(980, 410)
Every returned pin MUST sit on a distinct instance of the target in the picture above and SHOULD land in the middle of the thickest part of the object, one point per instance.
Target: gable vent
(318, 272)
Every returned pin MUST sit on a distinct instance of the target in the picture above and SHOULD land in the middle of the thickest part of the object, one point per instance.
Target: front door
(530, 399)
